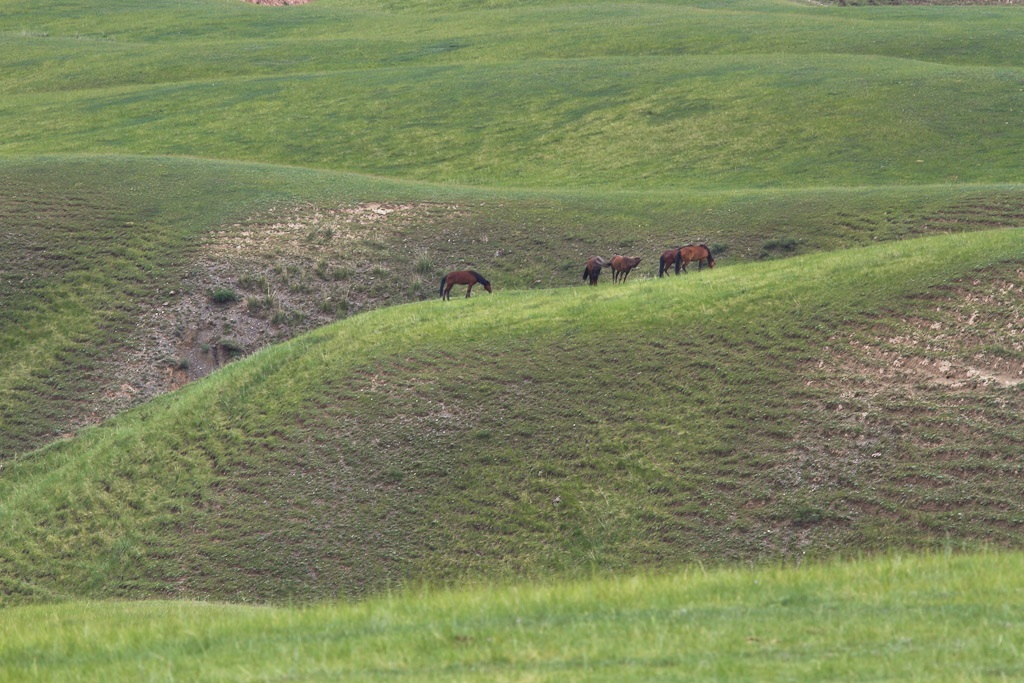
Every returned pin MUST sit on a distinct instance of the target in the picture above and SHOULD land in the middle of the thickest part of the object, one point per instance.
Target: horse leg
(469, 289)
(447, 292)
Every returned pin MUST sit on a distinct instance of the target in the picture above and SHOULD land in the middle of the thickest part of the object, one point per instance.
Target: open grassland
(547, 132)
(639, 95)
(197, 196)
(935, 617)
(826, 404)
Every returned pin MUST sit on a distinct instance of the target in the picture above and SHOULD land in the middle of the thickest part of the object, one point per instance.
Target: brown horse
(694, 252)
(668, 257)
(593, 269)
(621, 265)
(462, 277)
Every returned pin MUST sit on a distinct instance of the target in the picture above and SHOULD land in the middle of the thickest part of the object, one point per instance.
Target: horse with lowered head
(462, 277)
(621, 265)
(694, 252)
(593, 269)
(683, 256)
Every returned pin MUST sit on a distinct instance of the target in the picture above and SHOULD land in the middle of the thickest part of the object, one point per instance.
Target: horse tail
(661, 265)
(440, 292)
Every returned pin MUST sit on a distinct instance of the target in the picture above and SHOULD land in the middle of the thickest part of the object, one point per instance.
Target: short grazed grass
(530, 434)
(102, 253)
(649, 96)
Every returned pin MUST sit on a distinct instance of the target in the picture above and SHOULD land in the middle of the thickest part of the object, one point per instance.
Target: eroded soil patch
(916, 413)
(271, 277)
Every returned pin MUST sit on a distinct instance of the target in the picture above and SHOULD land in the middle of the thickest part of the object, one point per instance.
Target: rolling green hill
(828, 404)
(186, 183)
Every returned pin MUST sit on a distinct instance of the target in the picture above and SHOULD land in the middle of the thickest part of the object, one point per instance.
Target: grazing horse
(462, 277)
(593, 269)
(621, 265)
(694, 252)
(668, 257)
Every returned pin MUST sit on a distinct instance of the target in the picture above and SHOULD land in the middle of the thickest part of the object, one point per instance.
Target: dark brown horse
(694, 252)
(668, 257)
(593, 269)
(621, 265)
(462, 277)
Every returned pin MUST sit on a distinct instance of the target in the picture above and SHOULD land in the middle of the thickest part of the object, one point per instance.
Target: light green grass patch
(929, 618)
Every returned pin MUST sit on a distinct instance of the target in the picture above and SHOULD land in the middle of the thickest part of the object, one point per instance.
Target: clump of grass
(260, 305)
(424, 266)
(323, 270)
(251, 281)
(336, 304)
(283, 317)
(230, 346)
(340, 273)
(223, 295)
(779, 245)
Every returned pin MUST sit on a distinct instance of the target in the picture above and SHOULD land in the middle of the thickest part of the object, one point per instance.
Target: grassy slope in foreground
(930, 618)
(547, 433)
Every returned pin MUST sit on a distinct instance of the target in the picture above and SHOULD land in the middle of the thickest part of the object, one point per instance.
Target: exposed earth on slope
(266, 280)
(292, 269)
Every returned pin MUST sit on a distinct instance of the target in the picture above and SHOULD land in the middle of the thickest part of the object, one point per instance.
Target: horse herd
(679, 257)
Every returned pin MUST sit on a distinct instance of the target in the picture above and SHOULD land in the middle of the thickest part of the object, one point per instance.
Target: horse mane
(480, 278)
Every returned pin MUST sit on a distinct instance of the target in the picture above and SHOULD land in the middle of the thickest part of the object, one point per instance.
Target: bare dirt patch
(270, 278)
(969, 335)
(919, 406)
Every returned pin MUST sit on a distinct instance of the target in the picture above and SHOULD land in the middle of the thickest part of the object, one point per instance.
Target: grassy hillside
(182, 184)
(639, 127)
(113, 263)
(644, 95)
(807, 407)
(892, 619)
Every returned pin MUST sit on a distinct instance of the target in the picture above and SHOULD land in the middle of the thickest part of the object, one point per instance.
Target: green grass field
(225, 376)
(935, 617)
